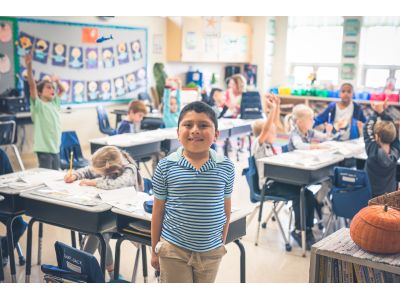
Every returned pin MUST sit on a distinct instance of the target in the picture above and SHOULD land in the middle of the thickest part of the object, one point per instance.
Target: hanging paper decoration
(90, 35)
(75, 57)
(24, 43)
(44, 76)
(119, 86)
(65, 97)
(92, 90)
(78, 91)
(59, 55)
(136, 50)
(108, 57)
(5, 64)
(141, 77)
(91, 58)
(5, 32)
(105, 90)
(131, 81)
(24, 74)
(41, 51)
(122, 51)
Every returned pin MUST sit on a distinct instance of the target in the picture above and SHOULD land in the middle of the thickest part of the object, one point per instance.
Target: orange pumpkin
(377, 229)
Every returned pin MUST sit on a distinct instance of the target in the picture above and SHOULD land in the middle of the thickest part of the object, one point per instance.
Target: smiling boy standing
(192, 203)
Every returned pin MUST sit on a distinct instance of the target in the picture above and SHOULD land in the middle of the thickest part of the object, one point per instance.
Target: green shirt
(47, 125)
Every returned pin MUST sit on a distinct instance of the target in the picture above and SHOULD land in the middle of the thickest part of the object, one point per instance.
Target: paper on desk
(29, 178)
(126, 199)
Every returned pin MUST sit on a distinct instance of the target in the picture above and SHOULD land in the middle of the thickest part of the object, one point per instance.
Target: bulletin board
(114, 70)
(7, 63)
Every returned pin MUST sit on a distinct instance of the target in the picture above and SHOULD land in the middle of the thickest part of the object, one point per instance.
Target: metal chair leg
(21, 257)
(40, 244)
(271, 213)
(135, 266)
(287, 245)
(21, 165)
(260, 214)
(328, 225)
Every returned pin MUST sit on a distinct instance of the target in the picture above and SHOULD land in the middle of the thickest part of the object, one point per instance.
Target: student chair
(259, 196)
(8, 138)
(350, 192)
(145, 97)
(70, 142)
(73, 265)
(104, 124)
(250, 106)
(148, 186)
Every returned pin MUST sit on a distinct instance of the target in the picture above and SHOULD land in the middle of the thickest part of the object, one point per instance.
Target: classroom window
(316, 42)
(379, 51)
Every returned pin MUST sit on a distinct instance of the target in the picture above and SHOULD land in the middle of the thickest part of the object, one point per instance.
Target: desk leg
(242, 261)
(10, 245)
(103, 250)
(73, 239)
(260, 214)
(249, 137)
(302, 220)
(1, 266)
(29, 251)
(39, 259)
(117, 257)
(144, 263)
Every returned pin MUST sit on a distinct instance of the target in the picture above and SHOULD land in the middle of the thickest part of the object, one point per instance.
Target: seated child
(214, 100)
(111, 168)
(265, 133)
(136, 111)
(171, 103)
(383, 149)
(302, 134)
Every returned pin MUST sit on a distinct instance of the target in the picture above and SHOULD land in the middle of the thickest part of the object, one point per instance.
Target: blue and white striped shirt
(194, 210)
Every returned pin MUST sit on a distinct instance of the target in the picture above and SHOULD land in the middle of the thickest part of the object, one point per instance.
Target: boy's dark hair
(40, 86)
(386, 131)
(348, 84)
(199, 107)
(213, 91)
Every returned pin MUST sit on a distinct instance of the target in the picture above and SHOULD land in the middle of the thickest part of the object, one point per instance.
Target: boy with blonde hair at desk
(111, 168)
(263, 147)
(383, 149)
(302, 134)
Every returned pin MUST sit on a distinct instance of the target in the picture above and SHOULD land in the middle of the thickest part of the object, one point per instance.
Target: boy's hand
(69, 178)
(155, 261)
(28, 60)
(360, 127)
(379, 107)
(328, 128)
(87, 182)
(276, 99)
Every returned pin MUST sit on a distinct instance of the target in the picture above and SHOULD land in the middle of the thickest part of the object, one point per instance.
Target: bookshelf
(338, 259)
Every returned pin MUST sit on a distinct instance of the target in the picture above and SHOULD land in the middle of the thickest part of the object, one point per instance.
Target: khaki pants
(179, 265)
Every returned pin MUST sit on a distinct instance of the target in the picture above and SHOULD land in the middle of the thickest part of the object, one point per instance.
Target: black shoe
(297, 237)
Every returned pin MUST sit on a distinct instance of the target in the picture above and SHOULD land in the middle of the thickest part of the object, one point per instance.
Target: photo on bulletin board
(113, 70)
(5, 32)
(59, 55)
(350, 49)
(66, 96)
(348, 71)
(5, 64)
(351, 27)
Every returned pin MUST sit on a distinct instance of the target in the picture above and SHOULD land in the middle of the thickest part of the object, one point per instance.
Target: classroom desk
(284, 168)
(124, 111)
(88, 219)
(13, 206)
(237, 229)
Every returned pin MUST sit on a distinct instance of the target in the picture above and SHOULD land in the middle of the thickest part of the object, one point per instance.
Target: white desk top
(142, 215)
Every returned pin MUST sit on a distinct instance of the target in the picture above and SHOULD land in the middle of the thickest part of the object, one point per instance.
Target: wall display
(114, 70)
(351, 27)
(348, 71)
(350, 49)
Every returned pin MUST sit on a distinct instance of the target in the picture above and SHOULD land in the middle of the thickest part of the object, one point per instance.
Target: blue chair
(259, 196)
(148, 186)
(8, 138)
(70, 142)
(250, 106)
(104, 124)
(73, 265)
(350, 192)
(285, 148)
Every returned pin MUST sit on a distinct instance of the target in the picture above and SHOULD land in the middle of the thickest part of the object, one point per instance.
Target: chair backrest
(252, 179)
(7, 132)
(104, 124)
(285, 148)
(351, 191)
(148, 186)
(5, 164)
(80, 262)
(250, 106)
(70, 142)
(144, 96)
(151, 123)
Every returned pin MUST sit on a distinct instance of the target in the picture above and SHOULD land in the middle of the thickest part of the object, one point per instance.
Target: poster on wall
(44, 76)
(350, 49)
(190, 40)
(119, 87)
(122, 52)
(75, 58)
(59, 55)
(107, 55)
(41, 51)
(212, 26)
(92, 90)
(78, 90)
(136, 50)
(348, 71)
(5, 33)
(157, 44)
(67, 90)
(24, 44)
(131, 81)
(91, 58)
(5, 64)
(141, 77)
(351, 27)
(105, 90)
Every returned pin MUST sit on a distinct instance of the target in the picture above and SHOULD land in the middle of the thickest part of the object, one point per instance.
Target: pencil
(70, 163)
